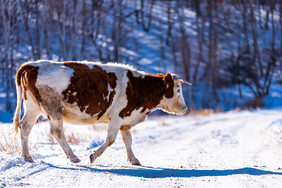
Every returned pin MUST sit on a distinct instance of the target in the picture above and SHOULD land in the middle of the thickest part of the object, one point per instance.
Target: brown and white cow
(88, 93)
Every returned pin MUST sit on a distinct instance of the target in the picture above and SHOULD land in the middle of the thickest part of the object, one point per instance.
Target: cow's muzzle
(183, 111)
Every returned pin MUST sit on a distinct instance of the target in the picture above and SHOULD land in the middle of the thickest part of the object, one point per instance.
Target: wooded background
(214, 44)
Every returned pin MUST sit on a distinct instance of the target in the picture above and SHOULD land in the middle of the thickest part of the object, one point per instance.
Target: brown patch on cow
(27, 77)
(89, 88)
(111, 142)
(125, 127)
(147, 92)
(24, 91)
(169, 81)
(50, 101)
(52, 131)
(56, 131)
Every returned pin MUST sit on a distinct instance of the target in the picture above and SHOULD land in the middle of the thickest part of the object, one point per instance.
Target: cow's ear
(168, 78)
(169, 82)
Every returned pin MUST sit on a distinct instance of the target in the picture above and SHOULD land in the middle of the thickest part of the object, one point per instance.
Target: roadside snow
(238, 149)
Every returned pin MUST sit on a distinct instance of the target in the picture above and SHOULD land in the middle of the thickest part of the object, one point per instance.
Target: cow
(89, 93)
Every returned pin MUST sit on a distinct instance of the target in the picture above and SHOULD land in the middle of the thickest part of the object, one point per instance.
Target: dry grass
(71, 137)
(238, 109)
(12, 145)
(99, 127)
(9, 144)
(163, 123)
(204, 112)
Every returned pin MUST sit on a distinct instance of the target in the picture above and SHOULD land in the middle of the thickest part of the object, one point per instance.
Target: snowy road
(237, 149)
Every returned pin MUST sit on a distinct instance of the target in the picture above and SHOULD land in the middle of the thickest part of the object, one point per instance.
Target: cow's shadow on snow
(151, 172)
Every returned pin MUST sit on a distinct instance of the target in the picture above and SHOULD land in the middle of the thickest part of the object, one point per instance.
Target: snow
(232, 149)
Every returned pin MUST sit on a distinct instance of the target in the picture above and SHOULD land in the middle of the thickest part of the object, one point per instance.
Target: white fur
(57, 77)
(120, 99)
(136, 117)
(176, 104)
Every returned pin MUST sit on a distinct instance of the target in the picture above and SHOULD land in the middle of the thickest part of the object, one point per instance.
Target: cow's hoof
(28, 159)
(134, 161)
(92, 158)
(75, 160)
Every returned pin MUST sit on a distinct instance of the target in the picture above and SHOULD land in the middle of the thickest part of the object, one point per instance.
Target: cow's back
(86, 92)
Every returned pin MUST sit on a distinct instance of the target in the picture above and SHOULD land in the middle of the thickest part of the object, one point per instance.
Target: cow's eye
(178, 91)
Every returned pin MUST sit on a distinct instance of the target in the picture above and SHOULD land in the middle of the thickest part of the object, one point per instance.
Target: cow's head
(173, 100)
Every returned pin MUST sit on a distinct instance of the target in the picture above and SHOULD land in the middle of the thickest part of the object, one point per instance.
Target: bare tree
(143, 12)
(9, 15)
(228, 42)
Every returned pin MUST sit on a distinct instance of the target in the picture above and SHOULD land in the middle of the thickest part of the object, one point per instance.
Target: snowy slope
(237, 149)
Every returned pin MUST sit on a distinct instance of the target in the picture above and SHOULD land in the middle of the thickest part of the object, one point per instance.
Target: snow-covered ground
(233, 149)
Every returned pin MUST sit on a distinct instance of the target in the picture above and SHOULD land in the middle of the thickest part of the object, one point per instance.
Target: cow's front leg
(113, 128)
(127, 139)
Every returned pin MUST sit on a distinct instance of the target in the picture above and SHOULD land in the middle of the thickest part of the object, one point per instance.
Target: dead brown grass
(9, 144)
(12, 145)
(71, 137)
(204, 112)
(99, 127)
(163, 123)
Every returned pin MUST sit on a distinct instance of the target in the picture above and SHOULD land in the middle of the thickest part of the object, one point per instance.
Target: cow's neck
(144, 92)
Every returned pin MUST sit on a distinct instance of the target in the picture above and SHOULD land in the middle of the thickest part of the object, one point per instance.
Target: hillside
(230, 50)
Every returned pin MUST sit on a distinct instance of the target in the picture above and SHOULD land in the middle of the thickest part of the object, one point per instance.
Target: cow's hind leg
(56, 129)
(51, 103)
(113, 128)
(30, 116)
(127, 139)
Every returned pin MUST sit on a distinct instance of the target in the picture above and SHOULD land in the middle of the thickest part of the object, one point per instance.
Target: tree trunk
(144, 26)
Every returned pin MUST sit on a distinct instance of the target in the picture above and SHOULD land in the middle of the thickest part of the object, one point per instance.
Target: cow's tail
(17, 115)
